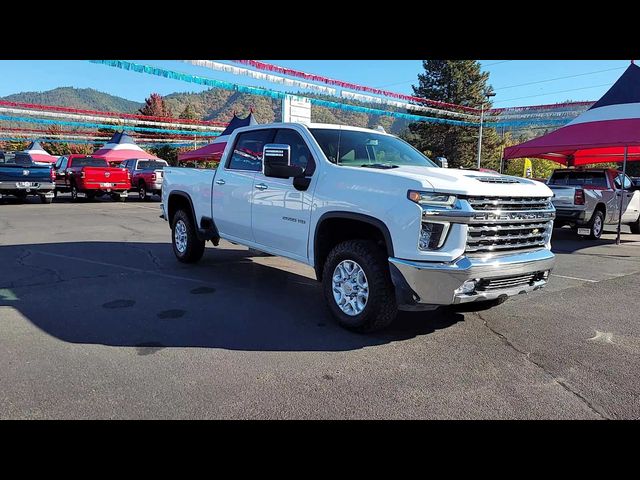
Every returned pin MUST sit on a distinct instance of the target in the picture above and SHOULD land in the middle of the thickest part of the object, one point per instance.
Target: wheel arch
(335, 227)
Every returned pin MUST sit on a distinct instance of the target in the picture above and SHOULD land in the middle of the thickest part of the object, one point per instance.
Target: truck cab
(384, 227)
(146, 175)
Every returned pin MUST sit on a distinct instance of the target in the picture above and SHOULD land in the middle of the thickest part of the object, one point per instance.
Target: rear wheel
(596, 225)
(635, 226)
(74, 193)
(142, 191)
(357, 286)
(187, 247)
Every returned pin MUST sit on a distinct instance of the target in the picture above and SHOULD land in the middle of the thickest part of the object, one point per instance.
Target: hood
(471, 182)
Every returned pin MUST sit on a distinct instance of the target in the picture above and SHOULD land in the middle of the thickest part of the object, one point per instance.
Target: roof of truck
(331, 126)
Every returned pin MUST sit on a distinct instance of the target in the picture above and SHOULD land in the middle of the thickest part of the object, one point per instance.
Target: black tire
(91, 196)
(597, 220)
(142, 192)
(44, 199)
(194, 248)
(380, 309)
(635, 226)
(55, 194)
(74, 193)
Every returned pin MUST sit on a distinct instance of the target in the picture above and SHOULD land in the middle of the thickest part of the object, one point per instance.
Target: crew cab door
(61, 172)
(233, 184)
(630, 199)
(281, 213)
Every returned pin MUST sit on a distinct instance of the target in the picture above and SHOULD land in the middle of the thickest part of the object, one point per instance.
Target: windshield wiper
(379, 165)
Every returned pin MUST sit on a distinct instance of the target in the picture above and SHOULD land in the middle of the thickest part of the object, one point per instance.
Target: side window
(63, 163)
(247, 152)
(58, 162)
(300, 153)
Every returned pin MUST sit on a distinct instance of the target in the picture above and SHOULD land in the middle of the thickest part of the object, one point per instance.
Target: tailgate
(102, 175)
(562, 196)
(20, 173)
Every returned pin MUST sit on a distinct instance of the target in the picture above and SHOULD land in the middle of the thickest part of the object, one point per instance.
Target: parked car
(383, 226)
(85, 176)
(146, 176)
(589, 199)
(21, 177)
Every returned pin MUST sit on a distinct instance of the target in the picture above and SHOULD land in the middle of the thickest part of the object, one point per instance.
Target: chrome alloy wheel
(180, 236)
(350, 287)
(597, 226)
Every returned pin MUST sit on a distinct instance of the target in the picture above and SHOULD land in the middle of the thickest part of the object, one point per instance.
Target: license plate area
(106, 185)
(26, 184)
(584, 231)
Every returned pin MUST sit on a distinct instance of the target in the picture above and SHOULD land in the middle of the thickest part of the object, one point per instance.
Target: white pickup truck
(384, 228)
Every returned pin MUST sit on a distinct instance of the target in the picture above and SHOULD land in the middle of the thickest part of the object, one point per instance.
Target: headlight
(427, 198)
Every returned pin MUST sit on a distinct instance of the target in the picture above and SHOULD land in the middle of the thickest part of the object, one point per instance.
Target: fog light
(467, 287)
(432, 235)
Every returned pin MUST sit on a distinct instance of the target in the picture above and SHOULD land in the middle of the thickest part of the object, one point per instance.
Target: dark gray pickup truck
(20, 177)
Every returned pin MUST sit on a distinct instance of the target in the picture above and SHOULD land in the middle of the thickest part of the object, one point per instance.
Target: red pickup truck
(91, 177)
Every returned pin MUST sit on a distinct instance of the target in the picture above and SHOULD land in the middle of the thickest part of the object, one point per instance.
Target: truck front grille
(504, 224)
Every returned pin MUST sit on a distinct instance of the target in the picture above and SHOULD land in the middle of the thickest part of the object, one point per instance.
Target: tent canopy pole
(622, 194)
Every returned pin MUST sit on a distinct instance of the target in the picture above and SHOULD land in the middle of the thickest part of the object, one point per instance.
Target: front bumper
(421, 285)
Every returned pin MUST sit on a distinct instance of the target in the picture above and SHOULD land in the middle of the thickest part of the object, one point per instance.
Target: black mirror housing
(276, 161)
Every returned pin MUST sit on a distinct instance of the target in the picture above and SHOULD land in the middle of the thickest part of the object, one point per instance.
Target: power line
(552, 93)
(560, 78)
(411, 81)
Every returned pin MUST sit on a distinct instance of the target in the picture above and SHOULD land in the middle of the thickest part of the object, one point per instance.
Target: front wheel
(357, 286)
(187, 247)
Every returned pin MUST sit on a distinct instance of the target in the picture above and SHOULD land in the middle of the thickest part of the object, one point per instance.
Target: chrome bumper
(423, 284)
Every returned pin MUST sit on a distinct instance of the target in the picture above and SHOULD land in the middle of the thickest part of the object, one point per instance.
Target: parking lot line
(575, 278)
(115, 265)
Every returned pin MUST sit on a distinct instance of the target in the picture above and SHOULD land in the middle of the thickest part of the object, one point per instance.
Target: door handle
(261, 186)
(220, 182)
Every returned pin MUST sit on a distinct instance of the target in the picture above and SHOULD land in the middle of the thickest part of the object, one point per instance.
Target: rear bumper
(570, 215)
(421, 285)
(38, 188)
(100, 186)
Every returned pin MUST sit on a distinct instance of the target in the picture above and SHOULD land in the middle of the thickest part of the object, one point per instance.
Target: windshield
(149, 164)
(90, 162)
(367, 149)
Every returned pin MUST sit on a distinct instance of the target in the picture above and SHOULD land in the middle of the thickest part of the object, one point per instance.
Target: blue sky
(516, 82)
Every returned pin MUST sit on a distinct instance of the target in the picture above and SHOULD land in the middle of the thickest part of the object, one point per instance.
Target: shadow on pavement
(137, 294)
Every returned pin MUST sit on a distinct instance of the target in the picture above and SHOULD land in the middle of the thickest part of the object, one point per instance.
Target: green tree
(189, 113)
(461, 82)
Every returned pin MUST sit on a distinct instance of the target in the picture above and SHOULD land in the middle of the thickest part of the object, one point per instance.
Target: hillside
(211, 104)
(86, 98)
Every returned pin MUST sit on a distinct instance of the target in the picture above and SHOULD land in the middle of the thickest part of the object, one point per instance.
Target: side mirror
(276, 162)
(442, 162)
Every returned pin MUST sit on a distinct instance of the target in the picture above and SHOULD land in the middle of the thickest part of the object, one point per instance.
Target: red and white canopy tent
(214, 150)
(121, 147)
(608, 132)
(39, 154)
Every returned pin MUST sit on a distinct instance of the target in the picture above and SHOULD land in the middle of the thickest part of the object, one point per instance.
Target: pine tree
(463, 83)
(188, 113)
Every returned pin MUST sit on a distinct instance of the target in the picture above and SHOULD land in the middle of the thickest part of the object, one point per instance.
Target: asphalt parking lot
(98, 320)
